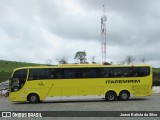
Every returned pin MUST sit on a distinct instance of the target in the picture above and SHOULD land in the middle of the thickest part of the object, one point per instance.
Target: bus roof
(81, 65)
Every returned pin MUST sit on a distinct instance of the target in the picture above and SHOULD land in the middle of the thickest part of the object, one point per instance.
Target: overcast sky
(38, 30)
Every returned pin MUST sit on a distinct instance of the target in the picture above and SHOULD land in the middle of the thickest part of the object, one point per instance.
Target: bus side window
(50, 73)
(143, 71)
(133, 72)
(35, 77)
(105, 72)
(83, 73)
(87, 73)
(36, 74)
(69, 73)
(59, 73)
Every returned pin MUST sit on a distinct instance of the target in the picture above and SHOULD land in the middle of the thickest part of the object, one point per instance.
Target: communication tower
(103, 35)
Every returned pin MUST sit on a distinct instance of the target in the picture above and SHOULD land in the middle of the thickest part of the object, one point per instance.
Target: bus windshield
(18, 80)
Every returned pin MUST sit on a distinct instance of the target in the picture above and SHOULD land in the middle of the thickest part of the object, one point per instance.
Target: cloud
(38, 30)
(72, 23)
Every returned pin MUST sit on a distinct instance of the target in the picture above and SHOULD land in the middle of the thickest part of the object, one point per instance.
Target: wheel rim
(111, 96)
(124, 95)
(33, 98)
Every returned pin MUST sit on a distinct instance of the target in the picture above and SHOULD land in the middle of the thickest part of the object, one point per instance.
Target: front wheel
(33, 98)
(110, 96)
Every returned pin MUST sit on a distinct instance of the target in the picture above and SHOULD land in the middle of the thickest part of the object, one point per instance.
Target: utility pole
(103, 35)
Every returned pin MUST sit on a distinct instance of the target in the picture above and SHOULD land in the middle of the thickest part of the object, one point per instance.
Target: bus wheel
(110, 96)
(33, 98)
(124, 95)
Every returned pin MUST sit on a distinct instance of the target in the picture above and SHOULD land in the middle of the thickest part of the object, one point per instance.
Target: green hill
(6, 68)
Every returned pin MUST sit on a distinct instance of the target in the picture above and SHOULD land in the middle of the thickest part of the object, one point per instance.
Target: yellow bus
(112, 82)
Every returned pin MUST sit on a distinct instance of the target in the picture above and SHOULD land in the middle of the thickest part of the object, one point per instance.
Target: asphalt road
(151, 103)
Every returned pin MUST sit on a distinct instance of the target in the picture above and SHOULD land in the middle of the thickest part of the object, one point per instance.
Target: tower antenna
(103, 35)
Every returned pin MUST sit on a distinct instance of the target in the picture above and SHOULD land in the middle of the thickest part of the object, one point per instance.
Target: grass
(157, 70)
(6, 68)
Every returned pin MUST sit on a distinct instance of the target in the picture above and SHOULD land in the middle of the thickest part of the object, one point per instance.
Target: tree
(129, 59)
(81, 55)
(63, 61)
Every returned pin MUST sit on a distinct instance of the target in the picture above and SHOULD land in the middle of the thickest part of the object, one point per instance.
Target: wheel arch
(111, 91)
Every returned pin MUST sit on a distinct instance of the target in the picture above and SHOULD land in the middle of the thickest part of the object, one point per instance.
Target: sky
(41, 30)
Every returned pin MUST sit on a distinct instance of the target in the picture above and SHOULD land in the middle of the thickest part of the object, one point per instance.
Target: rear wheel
(124, 95)
(33, 98)
(110, 96)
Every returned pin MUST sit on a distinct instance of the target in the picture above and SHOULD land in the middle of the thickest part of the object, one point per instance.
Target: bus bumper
(17, 98)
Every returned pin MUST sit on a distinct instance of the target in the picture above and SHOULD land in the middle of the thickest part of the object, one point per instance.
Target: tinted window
(140, 71)
(121, 72)
(88, 73)
(50, 74)
(70, 73)
(79, 73)
(53, 73)
(58, 73)
(36, 74)
(104, 72)
(21, 74)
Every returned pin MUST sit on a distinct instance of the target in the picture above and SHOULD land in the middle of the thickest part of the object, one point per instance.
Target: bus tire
(110, 96)
(33, 98)
(124, 95)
